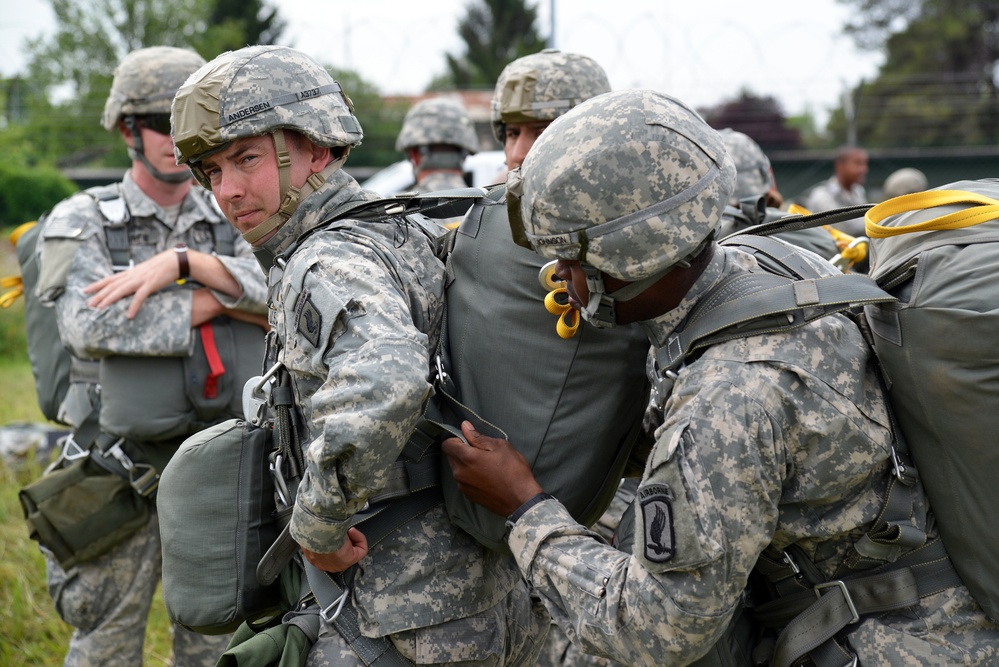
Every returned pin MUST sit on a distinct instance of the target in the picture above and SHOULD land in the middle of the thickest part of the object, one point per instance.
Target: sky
(702, 52)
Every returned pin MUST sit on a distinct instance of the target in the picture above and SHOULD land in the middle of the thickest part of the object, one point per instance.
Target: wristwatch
(182, 261)
(528, 504)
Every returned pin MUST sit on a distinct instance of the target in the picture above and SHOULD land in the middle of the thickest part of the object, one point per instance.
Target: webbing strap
(336, 606)
(981, 209)
(118, 246)
(754, 303)
(412, 488)
(813, 617)
(793, 223)
(438, 205)
(84, 370)
(215, 366)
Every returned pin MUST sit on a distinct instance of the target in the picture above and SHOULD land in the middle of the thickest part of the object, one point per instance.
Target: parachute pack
(50, 361)
(930, 282)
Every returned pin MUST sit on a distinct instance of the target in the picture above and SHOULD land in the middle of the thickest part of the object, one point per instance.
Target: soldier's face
(245, 180)
(519, 139)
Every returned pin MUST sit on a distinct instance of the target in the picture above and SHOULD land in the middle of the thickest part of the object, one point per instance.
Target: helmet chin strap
(137, 152)
(290, 196)
(600, 309)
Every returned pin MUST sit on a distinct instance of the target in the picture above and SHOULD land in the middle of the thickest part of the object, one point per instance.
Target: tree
(380, 119)
(71, 71)
(760, 118)
(495, 32)
(232, 24)
(937, 86)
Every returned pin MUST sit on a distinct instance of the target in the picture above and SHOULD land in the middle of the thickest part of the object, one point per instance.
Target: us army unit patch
(310, 322)
(657, 519)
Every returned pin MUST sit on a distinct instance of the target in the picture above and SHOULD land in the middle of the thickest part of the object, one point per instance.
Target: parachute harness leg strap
(337, 608)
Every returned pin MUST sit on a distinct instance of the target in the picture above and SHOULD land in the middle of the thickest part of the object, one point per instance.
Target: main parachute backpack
(50, 361)
(938, 253)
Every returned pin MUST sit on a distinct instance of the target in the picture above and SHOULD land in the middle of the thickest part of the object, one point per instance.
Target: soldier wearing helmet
(356, 308)
(138, 272)
(774, 451)
(903, 182)
(754, 181)
(562, 407)
(436, 136)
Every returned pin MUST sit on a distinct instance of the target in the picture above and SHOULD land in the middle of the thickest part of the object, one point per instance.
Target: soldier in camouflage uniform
(753, 180)
(106, 311)
(356, 307)
(774, 447)
(436, 136)
(844, 188)
(529, 94)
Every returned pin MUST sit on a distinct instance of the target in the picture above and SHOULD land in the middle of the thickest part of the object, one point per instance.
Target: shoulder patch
(310, 322)
(656, 502)
(76, 217)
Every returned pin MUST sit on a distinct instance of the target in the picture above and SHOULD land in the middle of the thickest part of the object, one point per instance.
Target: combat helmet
(438, 120)
(144, 84)
(631, 184)
(752, 166)
(543, 86)
(261, 90)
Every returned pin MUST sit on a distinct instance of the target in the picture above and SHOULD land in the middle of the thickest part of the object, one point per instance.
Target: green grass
(31, 633)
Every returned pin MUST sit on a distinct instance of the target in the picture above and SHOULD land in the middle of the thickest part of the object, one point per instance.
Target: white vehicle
(483, 168)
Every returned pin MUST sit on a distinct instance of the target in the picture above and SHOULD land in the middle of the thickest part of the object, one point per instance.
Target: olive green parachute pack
(930, 310)
(50, 361)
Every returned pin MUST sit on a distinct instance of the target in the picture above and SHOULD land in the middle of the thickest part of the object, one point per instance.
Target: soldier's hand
(490, 472)
(139, 282)
(355, 547)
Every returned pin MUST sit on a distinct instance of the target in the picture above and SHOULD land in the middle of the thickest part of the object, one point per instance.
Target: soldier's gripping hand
(490, 472)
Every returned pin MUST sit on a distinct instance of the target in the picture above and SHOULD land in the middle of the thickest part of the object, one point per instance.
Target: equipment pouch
(82, 511)
(218, 517)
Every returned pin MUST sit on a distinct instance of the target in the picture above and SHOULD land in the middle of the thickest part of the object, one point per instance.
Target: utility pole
(551, 24)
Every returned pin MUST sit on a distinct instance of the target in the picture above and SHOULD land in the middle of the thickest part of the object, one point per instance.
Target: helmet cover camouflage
(254, 91)
(752, 166)
(543, 86)
(438, 121)
(146, 80)
(631, 182)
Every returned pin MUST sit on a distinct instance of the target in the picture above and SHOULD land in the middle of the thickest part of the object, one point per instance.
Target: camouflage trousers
(558, 651)
(509, 634)
(108, 600)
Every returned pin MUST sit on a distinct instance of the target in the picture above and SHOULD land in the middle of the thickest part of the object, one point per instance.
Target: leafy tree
(937, 86)
(233, 24)
(758, 117)
(381, 120)
(495, 32)
(71, 71)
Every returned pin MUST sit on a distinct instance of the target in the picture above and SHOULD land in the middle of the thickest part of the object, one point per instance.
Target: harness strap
(84, 370)
(755, 303)
(813, 617)
(216, 369)
(336, 607)
(413, 487)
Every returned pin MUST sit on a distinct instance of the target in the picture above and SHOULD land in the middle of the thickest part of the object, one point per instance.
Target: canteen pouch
(82, 511)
